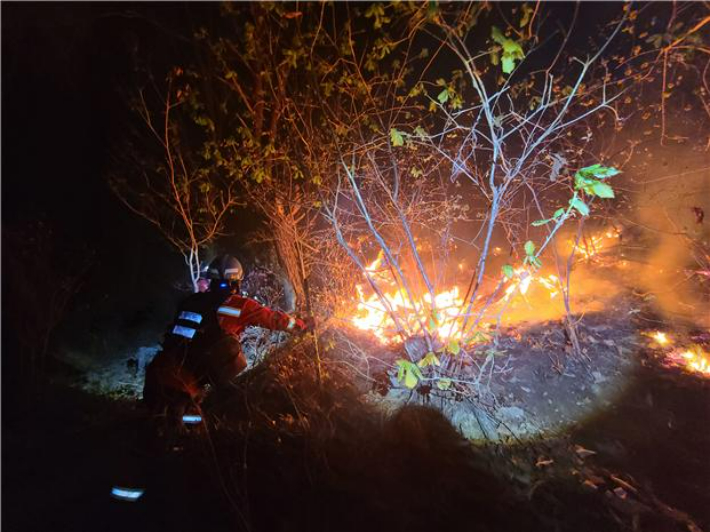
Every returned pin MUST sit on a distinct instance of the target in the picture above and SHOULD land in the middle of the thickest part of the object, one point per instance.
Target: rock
(511, 413)
(598, 377)
(466, 423)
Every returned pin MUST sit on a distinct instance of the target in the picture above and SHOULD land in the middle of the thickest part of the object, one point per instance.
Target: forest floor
(618, 445)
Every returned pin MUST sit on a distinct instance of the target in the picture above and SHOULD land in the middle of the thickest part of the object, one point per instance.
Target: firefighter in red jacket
(201, 347)
(202, 344)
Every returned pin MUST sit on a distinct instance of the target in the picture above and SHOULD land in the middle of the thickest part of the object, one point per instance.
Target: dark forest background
(66, 69)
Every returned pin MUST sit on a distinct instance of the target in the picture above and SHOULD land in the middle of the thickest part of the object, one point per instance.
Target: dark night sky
(64, 68)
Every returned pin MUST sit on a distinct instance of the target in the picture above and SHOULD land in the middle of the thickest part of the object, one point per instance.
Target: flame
(694, 360)
(660, 337)
(697, 361)
(524, 277)
(441, 315)
(529, 295)
(441, 319)
(592, 246)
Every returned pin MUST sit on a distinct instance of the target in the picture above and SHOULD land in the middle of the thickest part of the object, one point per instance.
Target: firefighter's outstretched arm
(249, 312)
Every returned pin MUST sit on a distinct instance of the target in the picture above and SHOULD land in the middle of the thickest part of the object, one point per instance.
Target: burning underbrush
(335, 426)
(450, 338)
(391, 310)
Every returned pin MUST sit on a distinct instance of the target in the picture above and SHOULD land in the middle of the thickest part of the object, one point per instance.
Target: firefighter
(202, 345)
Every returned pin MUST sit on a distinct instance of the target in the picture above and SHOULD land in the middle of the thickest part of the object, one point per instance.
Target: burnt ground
(619, 444)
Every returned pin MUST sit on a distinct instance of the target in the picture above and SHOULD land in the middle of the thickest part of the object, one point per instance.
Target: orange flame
(661, 338)
(442, 317)
(591, 247)
(694, 360)
(697, 361)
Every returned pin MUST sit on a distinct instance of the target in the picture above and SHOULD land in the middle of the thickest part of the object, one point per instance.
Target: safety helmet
(226, 268)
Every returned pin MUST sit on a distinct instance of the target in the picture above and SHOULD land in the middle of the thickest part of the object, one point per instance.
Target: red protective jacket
(237, 313)
(182, 369)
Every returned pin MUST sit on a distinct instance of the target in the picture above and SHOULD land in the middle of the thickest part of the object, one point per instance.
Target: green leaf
(558, 213)
(419, 131)
(508, 271)
(508, 64)
(396, 137)
(599, 171)
(512, 51)
(579, 205)
(529, 248)
(410, 379)
(602, 190)
(443, 96)
(497, 35)
(429, 359)
(443, 384)
(454, 348)
(409, 372)
(582, 182)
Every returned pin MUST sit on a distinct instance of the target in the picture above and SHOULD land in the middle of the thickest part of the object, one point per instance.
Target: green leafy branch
(409, 373)
(512, 51)
(588, 180)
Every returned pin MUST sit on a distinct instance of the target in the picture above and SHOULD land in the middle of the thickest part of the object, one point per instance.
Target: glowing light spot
(661, 338)
(694, 360)
(191, 419)
(127, 494)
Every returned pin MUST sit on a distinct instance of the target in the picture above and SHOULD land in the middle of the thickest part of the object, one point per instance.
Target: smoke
(591, 290)
(672, 224)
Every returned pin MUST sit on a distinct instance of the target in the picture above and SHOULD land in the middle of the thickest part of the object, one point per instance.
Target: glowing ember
(661, 338)
(591, 247)
(693, 360)
(523, 278)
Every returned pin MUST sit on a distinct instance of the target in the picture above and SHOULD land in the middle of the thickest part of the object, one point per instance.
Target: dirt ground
(620, 444)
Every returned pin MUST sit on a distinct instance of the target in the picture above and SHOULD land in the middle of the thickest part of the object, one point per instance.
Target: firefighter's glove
(309, 323)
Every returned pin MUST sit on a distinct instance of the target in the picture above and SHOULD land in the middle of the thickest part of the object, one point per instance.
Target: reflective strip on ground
(229, 311)
(187, 332)
(127, 494)
(191, 419)
(190, 316)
